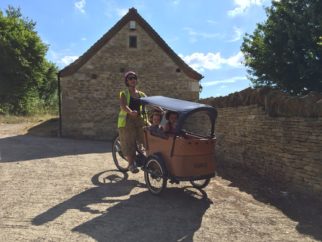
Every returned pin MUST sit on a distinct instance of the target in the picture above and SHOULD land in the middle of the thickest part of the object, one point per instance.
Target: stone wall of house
(273, 134)
(90, 97)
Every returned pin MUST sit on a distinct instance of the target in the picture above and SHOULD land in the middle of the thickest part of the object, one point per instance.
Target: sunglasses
(132, 78)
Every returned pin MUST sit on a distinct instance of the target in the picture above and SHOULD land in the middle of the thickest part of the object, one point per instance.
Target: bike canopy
(182, 107)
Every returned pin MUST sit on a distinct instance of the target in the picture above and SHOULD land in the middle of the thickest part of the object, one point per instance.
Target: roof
(184, 108)
(131, 15)
(173, 104)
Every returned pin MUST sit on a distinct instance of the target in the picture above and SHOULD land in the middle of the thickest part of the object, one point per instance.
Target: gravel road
(55, 189)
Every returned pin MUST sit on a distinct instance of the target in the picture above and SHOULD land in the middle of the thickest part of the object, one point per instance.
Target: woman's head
(130, 76)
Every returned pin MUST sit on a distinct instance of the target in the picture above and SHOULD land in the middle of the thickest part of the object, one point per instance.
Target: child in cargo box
(155, 128)
(171, 118)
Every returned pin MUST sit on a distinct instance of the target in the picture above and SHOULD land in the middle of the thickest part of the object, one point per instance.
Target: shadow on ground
(174, 216)
(27, 147)
(41, 142)
(307, 211)
(48, 128)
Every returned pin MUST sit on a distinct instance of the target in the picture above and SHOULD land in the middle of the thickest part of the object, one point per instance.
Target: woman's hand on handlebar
(134, 113)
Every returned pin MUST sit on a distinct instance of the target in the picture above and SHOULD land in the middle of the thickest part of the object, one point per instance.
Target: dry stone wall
(278, 141)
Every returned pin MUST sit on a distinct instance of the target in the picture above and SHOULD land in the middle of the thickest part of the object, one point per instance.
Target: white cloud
(121, 11)
(221, 87)
(210, 21)
(61, 58)
(243, 6)
(235, 61)
(112, 8)
(80, 5)
(194, 34)
(224, 81)
(212, 61)
(84, 38)
(66, 60)
(238, 33)
(201, 61)
(191, 32)
(176, 2)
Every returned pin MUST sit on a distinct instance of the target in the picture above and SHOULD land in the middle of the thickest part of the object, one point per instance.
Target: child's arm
(166, 127)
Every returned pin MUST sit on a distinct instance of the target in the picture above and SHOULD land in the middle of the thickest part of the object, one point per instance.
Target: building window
(132, 42)
(132, 25)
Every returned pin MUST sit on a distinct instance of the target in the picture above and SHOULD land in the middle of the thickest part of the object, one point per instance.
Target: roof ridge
(131, 15)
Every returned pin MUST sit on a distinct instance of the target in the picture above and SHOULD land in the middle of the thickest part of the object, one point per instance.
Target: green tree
(27, 79)
(320, 41)
(284, 52)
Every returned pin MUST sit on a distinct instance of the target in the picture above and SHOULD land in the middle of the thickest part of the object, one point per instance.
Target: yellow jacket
(122, 115)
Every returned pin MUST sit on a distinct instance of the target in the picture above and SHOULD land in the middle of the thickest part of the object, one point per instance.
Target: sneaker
(133, 168)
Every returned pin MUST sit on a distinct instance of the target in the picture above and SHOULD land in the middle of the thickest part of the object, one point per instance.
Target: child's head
(156, 118)
(172, 117)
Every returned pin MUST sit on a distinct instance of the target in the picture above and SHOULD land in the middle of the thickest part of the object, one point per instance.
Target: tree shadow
(175, 215)
(304, 209)
(27, 147)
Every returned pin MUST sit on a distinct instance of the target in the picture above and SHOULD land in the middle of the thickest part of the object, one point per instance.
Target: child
(171, 118)
(155, 128)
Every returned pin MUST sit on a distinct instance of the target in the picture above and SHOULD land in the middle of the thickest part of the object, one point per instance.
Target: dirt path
(54, 189)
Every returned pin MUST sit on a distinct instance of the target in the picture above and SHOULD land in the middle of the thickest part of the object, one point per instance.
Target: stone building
(89, 87)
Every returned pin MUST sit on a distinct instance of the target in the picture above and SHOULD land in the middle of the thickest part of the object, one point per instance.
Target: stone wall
(90, 97)
(277, 136)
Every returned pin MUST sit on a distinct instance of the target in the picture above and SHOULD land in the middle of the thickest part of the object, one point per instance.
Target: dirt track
(54, 189)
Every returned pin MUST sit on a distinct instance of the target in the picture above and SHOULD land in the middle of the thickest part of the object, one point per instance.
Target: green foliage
(320, 40)
(27, 80)
(284, 52)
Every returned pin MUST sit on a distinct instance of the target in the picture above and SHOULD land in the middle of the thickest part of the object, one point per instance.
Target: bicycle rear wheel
(119, 159)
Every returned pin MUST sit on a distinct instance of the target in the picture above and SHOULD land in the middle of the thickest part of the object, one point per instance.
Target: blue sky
(206, 34)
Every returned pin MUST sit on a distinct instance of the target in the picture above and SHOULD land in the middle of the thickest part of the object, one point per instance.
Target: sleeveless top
(135, 104)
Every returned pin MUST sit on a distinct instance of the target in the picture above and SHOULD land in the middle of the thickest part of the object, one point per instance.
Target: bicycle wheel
(200, 183)
(154, 175)
(119, 160)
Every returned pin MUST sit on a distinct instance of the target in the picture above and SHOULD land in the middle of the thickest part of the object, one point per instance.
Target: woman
(130, 121)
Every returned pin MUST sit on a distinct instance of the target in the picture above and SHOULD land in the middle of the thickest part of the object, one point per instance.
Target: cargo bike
(186, 155)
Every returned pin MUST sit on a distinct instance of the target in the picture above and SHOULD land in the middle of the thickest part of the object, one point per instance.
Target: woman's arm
(126, 108)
